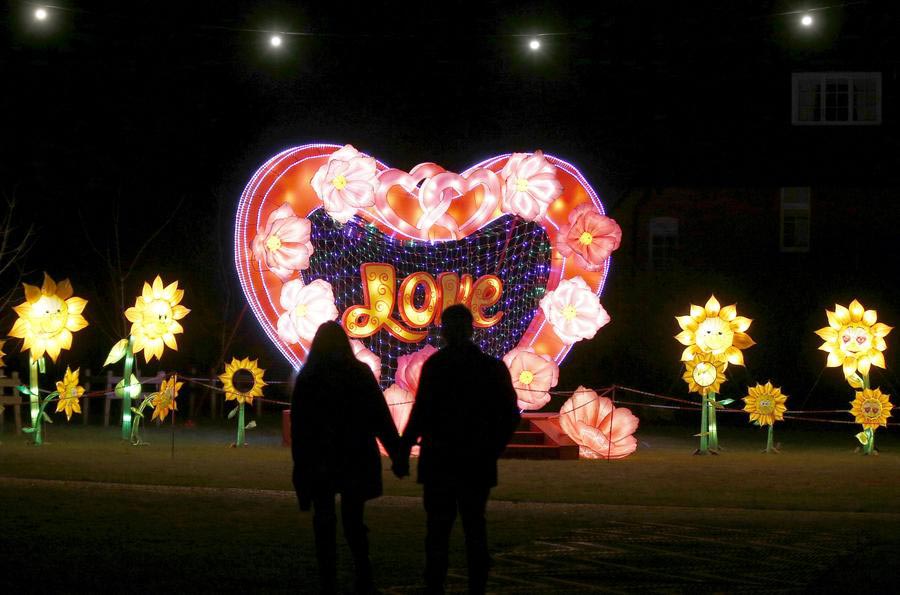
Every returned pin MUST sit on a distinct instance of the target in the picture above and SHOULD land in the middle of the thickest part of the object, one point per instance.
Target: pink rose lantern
(346, 183)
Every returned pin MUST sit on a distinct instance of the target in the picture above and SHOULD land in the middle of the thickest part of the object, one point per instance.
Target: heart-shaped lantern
(327, 233)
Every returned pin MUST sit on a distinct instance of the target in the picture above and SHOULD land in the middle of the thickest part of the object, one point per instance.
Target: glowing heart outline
(285, 177)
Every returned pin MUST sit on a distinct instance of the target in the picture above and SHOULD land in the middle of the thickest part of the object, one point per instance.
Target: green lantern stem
(34, 366)
(704, 428)
(135, 437)
(240, 431)
(770, 441)
(713, 428)
(128, 391)
(869, 446)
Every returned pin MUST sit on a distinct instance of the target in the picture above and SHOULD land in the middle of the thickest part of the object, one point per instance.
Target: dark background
(121, 120)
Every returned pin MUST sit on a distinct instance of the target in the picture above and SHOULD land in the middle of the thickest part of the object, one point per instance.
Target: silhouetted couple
(464, 415)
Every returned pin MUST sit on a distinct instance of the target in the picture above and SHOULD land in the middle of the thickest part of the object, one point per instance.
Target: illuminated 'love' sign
(381, 296)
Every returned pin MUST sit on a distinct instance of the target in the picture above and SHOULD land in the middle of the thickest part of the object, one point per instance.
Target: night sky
(120, 120)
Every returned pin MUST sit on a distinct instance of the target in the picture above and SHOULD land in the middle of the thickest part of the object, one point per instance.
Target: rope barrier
(684, 404)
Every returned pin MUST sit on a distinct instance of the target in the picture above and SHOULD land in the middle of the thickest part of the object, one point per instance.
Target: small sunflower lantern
(766, 405)
(67, 395)
(871, 408)
(242, 382)
(162, 401)
(714, 336)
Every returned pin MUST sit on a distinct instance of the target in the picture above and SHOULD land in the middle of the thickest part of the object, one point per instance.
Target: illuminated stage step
(540, 437)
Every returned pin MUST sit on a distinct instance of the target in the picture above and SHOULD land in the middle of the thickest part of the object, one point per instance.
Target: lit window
(834, 98)
(663, 242)
(795, 219)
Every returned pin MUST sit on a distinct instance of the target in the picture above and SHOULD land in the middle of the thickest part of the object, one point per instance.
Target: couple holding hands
(463, 417)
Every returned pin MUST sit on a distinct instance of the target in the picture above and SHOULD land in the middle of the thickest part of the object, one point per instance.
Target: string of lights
(45, 14)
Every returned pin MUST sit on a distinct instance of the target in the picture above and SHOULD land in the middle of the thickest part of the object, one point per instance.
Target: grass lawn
(86, 512)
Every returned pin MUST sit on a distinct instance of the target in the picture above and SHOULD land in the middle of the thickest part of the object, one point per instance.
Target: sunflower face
(765, 404)
(69, 393)
(716, 331)
(871, 408)
(164, 400)
(704, 374)
(854, 339)
(48, 317)
(155, 317)
(242, 392)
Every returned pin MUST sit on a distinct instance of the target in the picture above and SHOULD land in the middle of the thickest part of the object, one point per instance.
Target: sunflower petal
(827, 333)
(712, 307)
(734, 356)
(856, 311)
(741, 323)
(877, 359)
(842, 314)
(849, 366)
(728, 312)
(685, 337)
(686, 323)
(870, 317)
(881, 329)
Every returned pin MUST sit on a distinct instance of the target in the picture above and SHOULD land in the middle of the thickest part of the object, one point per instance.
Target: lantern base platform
(540, 437)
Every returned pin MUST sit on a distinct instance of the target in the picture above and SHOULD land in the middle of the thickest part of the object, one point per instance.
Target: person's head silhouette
(330, 343)
(456, 324)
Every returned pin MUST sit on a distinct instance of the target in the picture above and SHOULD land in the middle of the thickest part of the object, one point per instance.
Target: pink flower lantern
(533, 376)
(531, 185)
(346, 182)
(284, 245)
(409, 368)
(590, 237)
(602, 430)
(400, 403)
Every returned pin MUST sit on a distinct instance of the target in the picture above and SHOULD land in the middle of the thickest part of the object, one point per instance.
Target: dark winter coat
(465, 413)
(337, 412)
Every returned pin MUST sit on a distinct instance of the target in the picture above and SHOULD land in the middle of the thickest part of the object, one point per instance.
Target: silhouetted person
(465, 413)
(337, 411)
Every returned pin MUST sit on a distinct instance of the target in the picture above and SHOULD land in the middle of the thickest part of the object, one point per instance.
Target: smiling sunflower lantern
(242, 382)
(155, 317)
(704, 374)
(854, 340)
(766, 405)
(871, 408)
(714, 330)
(48, 317)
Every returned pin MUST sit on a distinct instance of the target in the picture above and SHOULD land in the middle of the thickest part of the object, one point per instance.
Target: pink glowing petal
(543, 189)
(293, 230)
(531, 401)
(359, 194)
(400, 403)
(295, 258)
(619, 423)
(361, 169)
(290, 294)
(532, 166)
(367, 357)
(282, 212)
(512, 164)
(621, 449)
(286, 330)
(409, 368)
(345, 153)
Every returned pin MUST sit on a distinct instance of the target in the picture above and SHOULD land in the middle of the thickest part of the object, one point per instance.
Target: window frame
(795, 207)
(821, 78)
